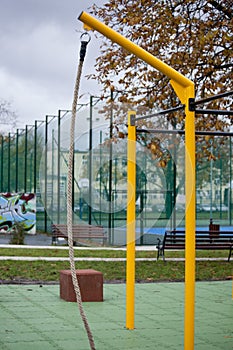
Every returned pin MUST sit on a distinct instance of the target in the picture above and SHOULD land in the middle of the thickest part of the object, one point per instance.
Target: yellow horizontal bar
(135, 49)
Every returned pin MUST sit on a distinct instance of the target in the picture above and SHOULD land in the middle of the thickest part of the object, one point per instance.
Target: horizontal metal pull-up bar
(212, 98)
(178, 108)
(213, 111)
(182, 132)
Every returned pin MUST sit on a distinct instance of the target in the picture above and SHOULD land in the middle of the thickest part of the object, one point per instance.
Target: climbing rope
(85, 38)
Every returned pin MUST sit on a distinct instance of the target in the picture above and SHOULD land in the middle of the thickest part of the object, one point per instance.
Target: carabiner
(88, 37)
(84, 45)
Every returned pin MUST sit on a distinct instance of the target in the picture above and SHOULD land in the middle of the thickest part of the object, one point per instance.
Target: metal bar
(52, 184)
(2, 159)
(213, 111)
(46, 175)
(162, 112)
(214, 133)
(65, 111)
(9, 162)
(110, 230)
(190, 220)
(174, 183)
(16, 160)
(90, 161)
(135, 49)
(25, 158)
(35, 157)
(182, 132)
(230, 188)
(211, 98)
(131, 197)
(100, 182)
(58, 165)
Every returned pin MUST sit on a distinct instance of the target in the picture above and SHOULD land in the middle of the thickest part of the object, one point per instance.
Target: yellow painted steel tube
(95, 24)
(190, 223)
(184, 95)
(131, 198)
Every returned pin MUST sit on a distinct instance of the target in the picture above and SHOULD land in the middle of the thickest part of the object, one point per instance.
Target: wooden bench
(205, 240)
(87, 232)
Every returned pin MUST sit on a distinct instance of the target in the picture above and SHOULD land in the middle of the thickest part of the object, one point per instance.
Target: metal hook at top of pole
(85, 39)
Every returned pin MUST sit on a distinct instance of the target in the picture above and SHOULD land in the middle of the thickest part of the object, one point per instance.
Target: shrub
(18, 233)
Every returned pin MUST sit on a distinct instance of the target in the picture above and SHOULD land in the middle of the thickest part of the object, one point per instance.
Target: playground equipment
(184, 89)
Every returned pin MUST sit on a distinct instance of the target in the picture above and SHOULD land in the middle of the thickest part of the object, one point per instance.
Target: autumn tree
(192, 36)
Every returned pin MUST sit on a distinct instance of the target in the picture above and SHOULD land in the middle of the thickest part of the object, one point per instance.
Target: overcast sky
(39, 55)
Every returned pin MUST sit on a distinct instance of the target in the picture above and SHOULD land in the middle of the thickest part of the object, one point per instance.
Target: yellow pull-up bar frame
(184, 89)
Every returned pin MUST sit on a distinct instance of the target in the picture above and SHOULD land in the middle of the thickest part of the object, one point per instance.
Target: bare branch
(227, 11)
(7, 115)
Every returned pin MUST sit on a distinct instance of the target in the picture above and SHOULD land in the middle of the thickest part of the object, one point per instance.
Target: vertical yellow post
(130, 239)
(184, 95)
(190, 223)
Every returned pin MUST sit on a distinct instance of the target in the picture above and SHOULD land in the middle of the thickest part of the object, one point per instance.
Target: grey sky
(39, 55)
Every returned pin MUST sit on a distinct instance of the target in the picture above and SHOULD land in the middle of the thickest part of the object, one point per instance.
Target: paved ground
(41, 240)
(34, 317)
(37, 239)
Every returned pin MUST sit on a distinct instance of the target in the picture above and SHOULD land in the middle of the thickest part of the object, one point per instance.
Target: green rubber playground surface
(34, 317)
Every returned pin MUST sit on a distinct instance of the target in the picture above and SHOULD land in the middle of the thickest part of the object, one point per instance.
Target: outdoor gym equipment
(184, 88)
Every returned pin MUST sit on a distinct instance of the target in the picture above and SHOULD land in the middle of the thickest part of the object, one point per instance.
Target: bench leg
(54, 240)
(160, 252)
(163, 254)
(229, 256)
(158, 246)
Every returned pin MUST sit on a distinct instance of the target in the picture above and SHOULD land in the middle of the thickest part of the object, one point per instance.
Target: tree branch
(227, 11)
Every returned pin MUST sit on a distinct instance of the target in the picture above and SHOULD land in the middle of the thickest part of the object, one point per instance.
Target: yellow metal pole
(190, 223)
(184, 95)
(131, 193)
(95, 24)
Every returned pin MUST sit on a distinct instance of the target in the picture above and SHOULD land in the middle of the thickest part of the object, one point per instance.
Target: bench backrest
(76, 228)
(214, 238)
(214, 227)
